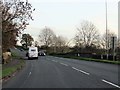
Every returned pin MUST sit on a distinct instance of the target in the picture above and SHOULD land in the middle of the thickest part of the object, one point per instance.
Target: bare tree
(61, 44)
(60, 41)
(36, 43)
(53, 43)
(46, 36)
(87, 34)
(78, 41)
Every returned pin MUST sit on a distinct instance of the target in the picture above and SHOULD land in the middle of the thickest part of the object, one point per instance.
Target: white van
(33, 52)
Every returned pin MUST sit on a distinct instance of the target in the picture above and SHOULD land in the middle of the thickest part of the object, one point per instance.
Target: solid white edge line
(80, 71)
(64, 64)
(110, 83)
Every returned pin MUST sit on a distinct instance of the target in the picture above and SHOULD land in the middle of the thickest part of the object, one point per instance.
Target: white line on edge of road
(80, 71)
(64, 64)
(110, 83)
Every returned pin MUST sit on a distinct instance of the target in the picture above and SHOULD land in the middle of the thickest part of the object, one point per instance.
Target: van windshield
(33, 50)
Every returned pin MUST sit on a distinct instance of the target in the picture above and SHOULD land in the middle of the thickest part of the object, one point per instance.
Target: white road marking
(54, 61)
(26, 79)
(29, 73)
(110, 83)
(80, 71)
(64, 64)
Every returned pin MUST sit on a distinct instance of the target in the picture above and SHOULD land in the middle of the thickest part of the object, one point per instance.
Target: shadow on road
(26, 58)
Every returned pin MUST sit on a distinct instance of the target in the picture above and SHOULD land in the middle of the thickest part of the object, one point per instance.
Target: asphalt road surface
(55, 72)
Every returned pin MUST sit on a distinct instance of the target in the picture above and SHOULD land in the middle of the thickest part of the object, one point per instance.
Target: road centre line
(26, 78)
(64, 64)
(54, 61)
(29, 73)
(80, 71)
(110, 83)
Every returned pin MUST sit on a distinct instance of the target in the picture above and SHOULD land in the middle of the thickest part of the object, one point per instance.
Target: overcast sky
(63, 16)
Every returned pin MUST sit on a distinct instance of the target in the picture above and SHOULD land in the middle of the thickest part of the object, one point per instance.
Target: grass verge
(0, 70)
(15, 55)
(89, 59)
(8, 71)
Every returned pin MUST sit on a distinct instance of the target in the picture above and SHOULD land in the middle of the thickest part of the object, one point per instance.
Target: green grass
(0, 70)
(89, 59)
(97, 60)
(15, 55)
(10, 70)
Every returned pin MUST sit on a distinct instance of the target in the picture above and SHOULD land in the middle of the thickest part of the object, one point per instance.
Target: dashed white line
(29, 73)
(26, 78)
(110, 83)
(80, 71)
(54, 61)
(64, 64)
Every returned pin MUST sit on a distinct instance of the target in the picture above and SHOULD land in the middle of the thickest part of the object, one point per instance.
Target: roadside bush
(6, 57)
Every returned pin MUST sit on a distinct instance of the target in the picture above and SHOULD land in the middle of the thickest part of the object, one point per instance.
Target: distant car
(41, 53)
(32, 53)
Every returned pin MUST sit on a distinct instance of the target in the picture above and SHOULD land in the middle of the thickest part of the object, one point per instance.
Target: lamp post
(106, 31)
(118, 44)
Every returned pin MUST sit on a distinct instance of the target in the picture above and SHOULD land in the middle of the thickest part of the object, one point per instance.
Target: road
(55, 72)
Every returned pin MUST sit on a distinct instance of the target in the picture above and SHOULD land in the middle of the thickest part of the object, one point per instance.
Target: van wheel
(29, 58)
